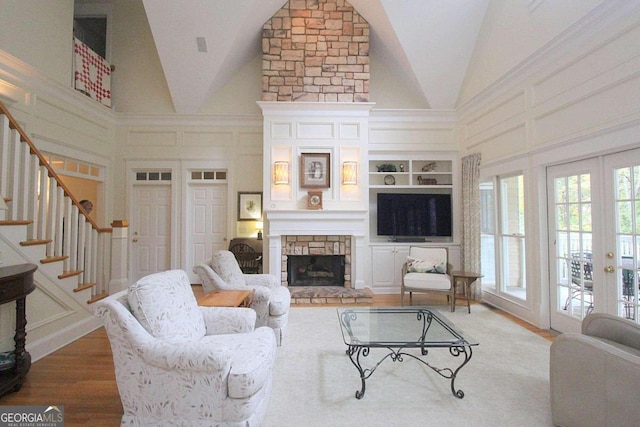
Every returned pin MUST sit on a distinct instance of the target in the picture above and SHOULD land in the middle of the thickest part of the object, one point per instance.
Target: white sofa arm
(185, 356)
(228, 320)
(612, 328)
(594, 382)
(268, 280)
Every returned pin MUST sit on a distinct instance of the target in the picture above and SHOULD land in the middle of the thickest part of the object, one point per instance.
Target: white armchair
(427, 270)
(271, 300)
(595, 375)
(180, 364)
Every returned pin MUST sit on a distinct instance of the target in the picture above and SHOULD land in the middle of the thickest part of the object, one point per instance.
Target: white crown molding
(174, 119)
(281, 108)
(414, 115)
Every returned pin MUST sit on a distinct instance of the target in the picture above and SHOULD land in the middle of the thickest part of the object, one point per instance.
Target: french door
(594, 238)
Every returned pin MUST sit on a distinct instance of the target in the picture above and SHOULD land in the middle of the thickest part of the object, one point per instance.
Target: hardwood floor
(80, 376)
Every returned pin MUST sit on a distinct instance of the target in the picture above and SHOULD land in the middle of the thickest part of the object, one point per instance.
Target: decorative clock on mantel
(314, 200)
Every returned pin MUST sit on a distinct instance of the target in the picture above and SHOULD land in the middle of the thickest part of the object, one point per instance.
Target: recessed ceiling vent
(202, 44)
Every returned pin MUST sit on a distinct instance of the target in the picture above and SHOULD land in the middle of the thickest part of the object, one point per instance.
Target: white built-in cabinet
(408, 172)
(386, 266)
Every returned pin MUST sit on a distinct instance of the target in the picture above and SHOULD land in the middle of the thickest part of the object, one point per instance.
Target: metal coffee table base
(356, 352)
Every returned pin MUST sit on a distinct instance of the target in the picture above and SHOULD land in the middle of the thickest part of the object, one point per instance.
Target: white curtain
(471, 216)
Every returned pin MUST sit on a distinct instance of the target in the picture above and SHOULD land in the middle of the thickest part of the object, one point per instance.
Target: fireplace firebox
(316, 270)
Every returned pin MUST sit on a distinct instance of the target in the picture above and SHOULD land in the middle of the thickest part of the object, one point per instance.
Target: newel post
(119, 256)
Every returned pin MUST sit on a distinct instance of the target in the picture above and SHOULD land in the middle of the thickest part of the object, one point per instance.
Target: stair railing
(36, 195)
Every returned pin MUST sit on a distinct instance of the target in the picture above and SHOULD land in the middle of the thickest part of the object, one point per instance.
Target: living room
(556, 86)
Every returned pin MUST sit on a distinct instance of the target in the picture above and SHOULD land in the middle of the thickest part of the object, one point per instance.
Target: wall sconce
(259, 226)
(350, 173)
(281, 173)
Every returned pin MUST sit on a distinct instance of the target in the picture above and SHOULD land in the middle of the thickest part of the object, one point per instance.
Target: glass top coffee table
(398, 329)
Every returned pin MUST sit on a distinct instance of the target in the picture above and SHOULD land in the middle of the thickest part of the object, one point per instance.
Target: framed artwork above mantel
(315, 170)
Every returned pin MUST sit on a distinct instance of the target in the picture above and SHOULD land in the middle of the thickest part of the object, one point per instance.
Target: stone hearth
(330, 295)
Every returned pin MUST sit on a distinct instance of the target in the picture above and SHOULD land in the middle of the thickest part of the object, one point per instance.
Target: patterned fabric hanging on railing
(92, 73)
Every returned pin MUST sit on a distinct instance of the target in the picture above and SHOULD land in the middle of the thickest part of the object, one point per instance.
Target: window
(153, 176)
(503, 235)
(92, 31)
(209, 175)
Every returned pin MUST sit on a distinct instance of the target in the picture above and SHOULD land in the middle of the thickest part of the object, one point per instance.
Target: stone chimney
(316, 51)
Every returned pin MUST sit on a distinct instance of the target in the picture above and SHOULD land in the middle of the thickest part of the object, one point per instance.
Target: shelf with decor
(411, 173)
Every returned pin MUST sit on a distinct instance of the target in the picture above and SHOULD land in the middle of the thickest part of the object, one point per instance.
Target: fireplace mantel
(353, 223)
(313, 222)
(339, 129)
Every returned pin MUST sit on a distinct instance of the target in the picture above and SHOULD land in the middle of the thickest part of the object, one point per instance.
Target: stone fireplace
(316, 51)
(315, 92)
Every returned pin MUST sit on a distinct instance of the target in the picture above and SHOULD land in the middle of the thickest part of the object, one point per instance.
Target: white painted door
(594, 223)
(206, 224)
(574, 206)
(150, 230)
(622, 242)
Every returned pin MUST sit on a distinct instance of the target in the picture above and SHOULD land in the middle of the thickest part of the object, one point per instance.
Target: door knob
(609, 255)
(134, 240)
(609, 269)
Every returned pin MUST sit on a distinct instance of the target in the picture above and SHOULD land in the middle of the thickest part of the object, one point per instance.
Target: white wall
(138, 84)
(513, 31)
(576, 98)
(46, 42)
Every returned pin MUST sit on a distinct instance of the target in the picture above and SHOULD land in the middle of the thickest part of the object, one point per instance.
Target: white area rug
(506, 382)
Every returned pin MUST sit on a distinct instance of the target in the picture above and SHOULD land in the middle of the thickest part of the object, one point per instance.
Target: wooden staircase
(45, 223)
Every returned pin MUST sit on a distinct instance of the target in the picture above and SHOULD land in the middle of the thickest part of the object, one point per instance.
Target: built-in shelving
(410, 174)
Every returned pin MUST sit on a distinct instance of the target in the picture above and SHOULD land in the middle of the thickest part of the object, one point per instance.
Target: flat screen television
(414, 215)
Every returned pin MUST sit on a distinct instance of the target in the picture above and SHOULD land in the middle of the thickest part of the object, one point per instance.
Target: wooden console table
(16, 282)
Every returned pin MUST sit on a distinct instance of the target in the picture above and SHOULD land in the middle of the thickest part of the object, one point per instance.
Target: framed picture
(315, 170)
(249, 206)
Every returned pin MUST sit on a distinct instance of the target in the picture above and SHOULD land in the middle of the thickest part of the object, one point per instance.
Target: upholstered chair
(180, 364)
(427, 270)
(595, 375)
(271, 300)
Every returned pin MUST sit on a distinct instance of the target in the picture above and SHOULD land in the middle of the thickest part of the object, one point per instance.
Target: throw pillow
(166, 307)
(415, 265)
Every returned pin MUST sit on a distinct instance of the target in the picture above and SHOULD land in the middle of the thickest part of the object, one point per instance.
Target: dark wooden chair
(248, 259)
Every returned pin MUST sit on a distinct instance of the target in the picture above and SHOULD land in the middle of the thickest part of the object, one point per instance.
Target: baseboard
(47, 345)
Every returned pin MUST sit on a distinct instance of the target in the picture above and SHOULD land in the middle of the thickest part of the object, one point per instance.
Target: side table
(468, 278)
(16, 282)
(227, 299)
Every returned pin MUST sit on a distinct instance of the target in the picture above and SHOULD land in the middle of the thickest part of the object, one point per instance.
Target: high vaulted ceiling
(429, 42)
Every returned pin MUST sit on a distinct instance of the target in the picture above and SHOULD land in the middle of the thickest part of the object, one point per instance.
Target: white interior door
(206, 225)
(150, 229)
